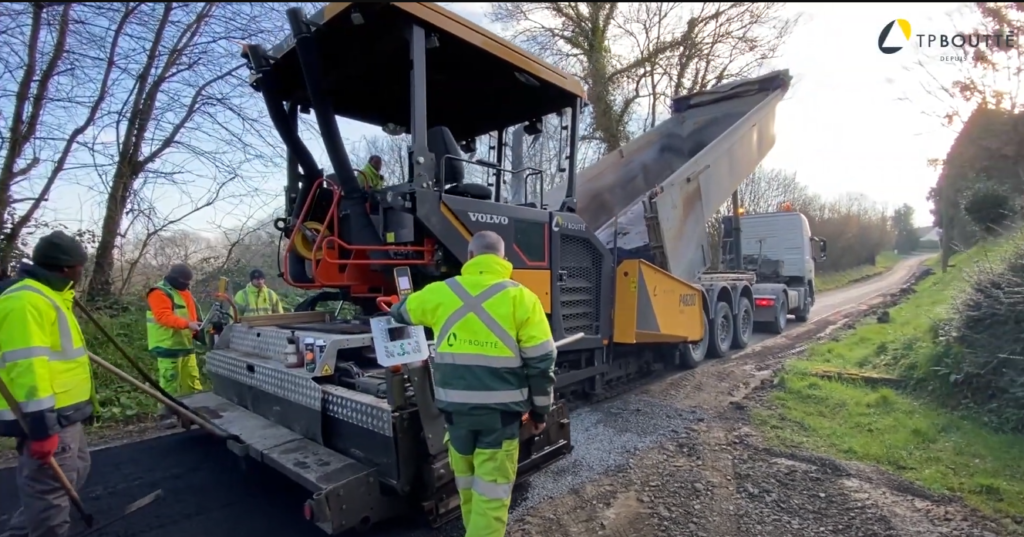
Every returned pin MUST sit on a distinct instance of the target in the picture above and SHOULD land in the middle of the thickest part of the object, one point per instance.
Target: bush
(981, 351)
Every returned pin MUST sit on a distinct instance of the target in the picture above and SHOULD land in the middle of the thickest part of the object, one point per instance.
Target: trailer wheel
(720, 331)
(781, 317)
(805, 311)
(690, 356)
(744, 324)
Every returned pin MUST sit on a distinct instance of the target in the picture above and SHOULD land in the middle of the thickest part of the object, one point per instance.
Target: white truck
(780, 250)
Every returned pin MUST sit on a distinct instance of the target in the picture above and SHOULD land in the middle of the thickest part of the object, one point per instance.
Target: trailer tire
(690, 356)
(720, 330)
(743, 327)
(781, 317)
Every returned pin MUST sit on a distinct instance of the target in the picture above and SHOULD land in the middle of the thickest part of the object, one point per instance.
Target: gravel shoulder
(716, 477)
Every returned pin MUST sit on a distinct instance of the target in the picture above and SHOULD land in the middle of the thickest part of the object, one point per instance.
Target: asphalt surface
(208, 494)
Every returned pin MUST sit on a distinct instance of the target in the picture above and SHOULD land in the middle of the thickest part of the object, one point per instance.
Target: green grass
(834, 280)
(912, 436)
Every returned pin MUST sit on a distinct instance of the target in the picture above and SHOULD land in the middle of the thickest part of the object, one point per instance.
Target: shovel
(65, 484)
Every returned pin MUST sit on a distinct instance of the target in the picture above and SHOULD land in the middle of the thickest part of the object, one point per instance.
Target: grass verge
(913, 436)
(827, 281)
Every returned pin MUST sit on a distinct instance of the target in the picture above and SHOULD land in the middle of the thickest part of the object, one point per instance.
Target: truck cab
(780, 250)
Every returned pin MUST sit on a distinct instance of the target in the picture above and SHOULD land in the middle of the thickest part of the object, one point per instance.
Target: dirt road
(206, 494)
(834, 301)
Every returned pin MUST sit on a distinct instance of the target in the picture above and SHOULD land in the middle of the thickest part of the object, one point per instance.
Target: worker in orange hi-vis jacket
(171, 321)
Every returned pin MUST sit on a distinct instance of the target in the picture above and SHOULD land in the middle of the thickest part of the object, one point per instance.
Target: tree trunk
(101, 284)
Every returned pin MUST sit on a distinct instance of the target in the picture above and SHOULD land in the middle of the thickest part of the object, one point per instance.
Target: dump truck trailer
(360, 430)
(652, 198)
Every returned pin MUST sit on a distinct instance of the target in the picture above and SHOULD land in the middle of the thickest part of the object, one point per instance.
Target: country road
(207, 495)
(833, 301)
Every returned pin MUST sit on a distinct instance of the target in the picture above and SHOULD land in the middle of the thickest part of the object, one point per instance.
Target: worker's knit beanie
(58, 249)
(180, 272)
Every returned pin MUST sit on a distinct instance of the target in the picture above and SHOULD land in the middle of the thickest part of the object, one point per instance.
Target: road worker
(370, 177)
(172, 320)
(44, 365)
(495, 361)
(257, 298)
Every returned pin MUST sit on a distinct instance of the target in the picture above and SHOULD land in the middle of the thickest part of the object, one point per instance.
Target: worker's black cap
(180, 271)
(58, 249)
(256, 274)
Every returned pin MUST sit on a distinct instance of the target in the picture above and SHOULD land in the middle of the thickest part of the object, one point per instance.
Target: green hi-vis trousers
(484, 463)
(179, 376)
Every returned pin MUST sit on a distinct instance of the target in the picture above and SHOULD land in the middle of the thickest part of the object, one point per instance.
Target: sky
(846, 126)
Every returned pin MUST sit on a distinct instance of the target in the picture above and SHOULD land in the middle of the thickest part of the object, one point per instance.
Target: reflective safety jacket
(370, 179)
(43, 361)
(172, 341)
(255, 301)
(494, 351)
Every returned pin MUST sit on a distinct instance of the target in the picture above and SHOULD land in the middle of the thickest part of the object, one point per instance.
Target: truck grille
(580, 296)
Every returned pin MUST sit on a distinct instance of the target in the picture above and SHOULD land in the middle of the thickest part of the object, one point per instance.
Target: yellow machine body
(653, 306)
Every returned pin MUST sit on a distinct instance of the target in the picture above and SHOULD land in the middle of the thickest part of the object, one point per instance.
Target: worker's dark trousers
(45, 508)
(484, 463)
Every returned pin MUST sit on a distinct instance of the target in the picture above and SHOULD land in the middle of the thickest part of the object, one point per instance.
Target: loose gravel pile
(605, 437)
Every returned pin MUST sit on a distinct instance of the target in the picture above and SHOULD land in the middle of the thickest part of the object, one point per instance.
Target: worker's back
(482, 323)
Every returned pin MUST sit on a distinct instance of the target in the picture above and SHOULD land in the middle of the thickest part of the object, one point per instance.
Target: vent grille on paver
(580, 296)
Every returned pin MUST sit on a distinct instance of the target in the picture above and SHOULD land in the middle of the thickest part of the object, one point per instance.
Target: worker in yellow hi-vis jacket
(495, 361)
(256, 298)
(44, 365)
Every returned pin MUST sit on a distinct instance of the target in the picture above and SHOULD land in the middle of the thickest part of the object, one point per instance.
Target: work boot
(167, 419)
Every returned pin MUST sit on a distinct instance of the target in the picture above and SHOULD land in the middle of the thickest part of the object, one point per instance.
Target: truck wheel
(720, 331)
(805, 311)
(744, 324)
(781, 317)
(690, 356)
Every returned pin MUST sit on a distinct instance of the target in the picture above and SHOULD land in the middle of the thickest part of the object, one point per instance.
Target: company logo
(959, 41)
(453, 340)
(488, 218)
(558, 223)
(904, 27)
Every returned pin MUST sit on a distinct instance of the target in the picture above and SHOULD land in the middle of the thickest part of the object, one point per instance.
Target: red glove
(42, 450)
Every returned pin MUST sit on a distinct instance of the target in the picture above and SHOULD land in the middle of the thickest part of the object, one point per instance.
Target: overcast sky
(842, 128)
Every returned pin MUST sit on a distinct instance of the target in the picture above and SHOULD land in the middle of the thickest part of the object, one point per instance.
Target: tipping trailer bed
(695, 159)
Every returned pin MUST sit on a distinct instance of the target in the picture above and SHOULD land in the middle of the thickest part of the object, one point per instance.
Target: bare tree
(62, 85)
(980, 93)
(180, 111)
(148, 218)
(627, 54)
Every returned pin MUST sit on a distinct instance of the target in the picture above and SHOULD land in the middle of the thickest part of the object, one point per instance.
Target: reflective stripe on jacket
(43, 361)
(255, 301)
(164, 341)
(370, 179)
(494, 350)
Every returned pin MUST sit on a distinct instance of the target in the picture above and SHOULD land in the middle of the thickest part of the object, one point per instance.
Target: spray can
(309, 352)
(321, 348)
(291, 357)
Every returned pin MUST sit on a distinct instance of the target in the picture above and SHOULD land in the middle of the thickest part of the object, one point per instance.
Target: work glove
(42, 450)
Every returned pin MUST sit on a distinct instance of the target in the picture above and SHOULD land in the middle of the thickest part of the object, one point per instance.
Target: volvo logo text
(488, 218)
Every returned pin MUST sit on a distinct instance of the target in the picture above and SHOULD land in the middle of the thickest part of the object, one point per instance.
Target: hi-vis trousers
(484, 463)
(179, 376)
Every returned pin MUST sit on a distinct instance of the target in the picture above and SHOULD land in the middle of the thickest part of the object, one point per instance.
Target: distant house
(930, 237)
